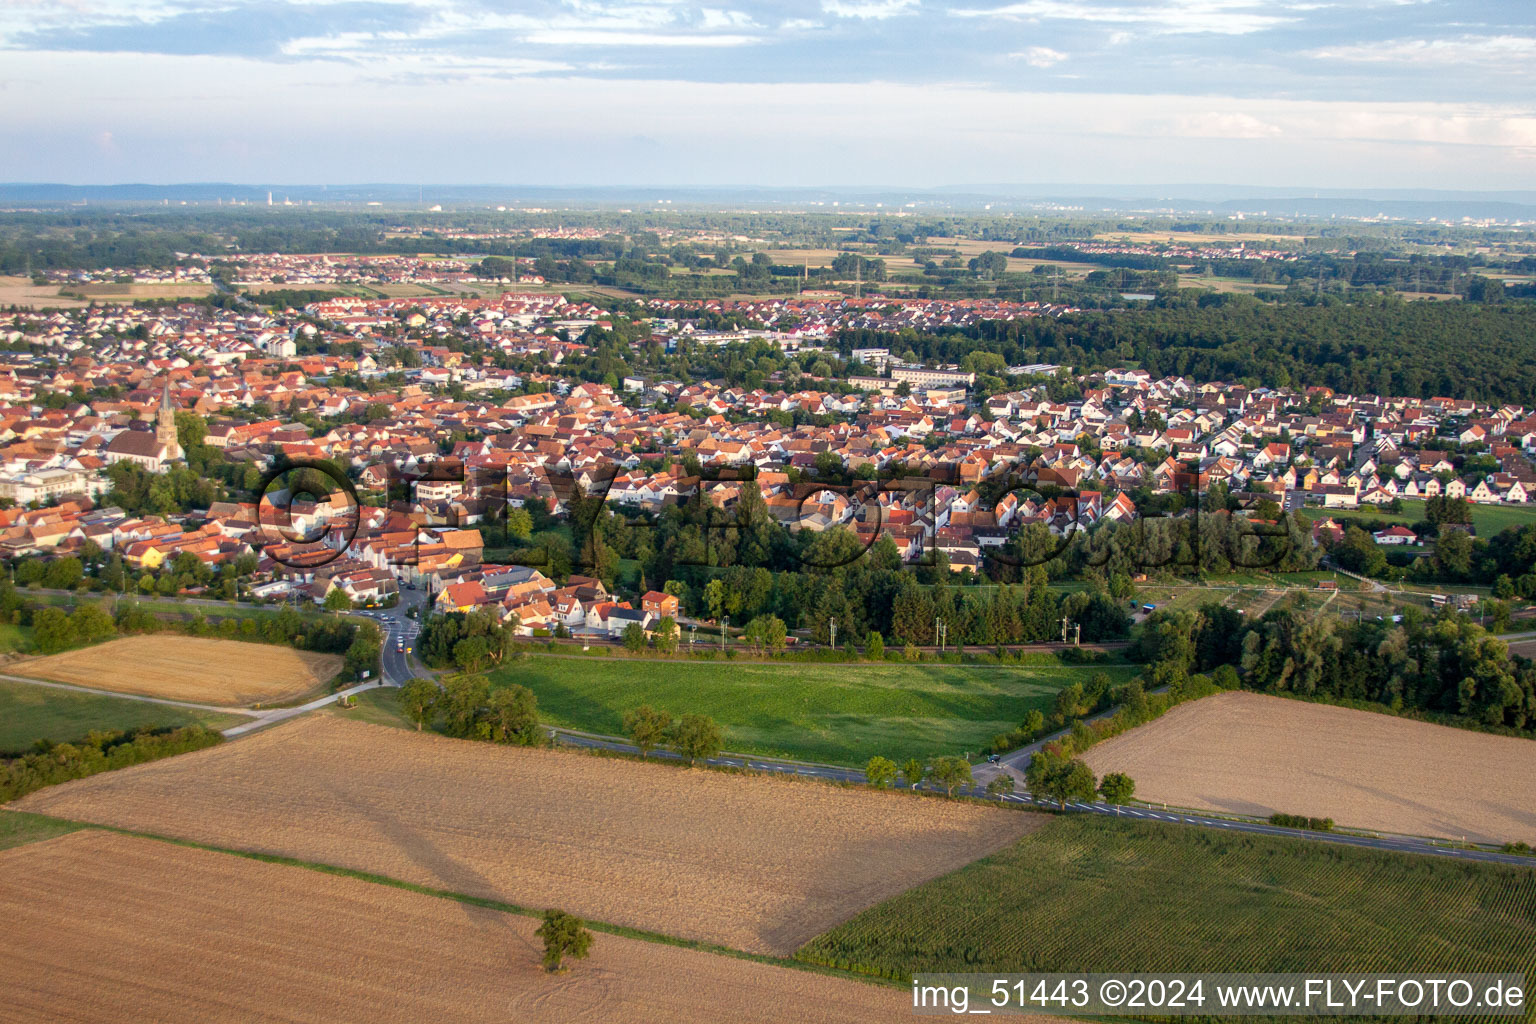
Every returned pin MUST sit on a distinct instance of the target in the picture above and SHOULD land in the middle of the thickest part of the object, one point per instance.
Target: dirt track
(755, 863)
(103, 927)
(1256, 754)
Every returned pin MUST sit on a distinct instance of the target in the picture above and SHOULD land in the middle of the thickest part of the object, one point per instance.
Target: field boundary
(624, 931)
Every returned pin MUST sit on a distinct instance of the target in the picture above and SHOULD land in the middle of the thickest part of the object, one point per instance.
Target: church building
(155, 450)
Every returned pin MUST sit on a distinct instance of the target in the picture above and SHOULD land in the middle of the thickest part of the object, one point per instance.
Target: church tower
(165, 425)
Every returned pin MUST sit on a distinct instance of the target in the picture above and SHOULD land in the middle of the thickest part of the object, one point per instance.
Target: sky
(903, 93)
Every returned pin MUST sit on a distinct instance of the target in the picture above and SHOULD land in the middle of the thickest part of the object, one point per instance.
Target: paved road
(399, 665)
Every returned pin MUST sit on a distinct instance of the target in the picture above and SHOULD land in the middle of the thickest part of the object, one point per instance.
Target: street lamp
(725, 620)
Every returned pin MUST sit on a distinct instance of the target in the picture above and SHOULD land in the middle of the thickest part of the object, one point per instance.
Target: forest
(1375, 344)
(1441, 665)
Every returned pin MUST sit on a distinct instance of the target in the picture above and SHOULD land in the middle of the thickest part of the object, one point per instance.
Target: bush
(53, 763)
(1302, 821)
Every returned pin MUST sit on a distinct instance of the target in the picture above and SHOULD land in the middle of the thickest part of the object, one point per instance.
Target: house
(1396, 535)
(660, 605)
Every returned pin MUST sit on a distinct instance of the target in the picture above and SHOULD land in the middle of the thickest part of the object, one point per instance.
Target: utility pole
(858, 273)
(1077, 635)
(833, 624)
(1064, 624)
(725, 620)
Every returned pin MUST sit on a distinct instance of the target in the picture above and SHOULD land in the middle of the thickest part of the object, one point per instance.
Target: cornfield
(1094, 895)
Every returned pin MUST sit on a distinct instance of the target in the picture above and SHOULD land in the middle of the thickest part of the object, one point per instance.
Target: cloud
(868, 10)
(1039, 56)
(1173, 17)
(1227, 125)
(1500, 53)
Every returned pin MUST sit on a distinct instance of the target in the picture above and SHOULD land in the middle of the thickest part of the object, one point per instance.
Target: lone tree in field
(646, 727)
(1117, 788)
(881, 772)
(952, 773)
(418, 699)
(696, 737)
(564, 936)
(912, 772)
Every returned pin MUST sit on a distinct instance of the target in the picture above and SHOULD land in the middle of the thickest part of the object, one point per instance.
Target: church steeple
(165, 424)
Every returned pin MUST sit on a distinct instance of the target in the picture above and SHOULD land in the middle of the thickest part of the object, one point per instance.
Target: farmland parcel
(1255, 754)
(103, 927)
(227, 673)
(756, 863)
(840, 714)
(1087, 893)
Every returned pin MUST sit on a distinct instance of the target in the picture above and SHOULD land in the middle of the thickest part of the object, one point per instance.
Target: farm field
(834, 713)
(114, 927)
(755, 863)
(1088, 893)
(1250, 753)
(29, 713)
(20, 291)
(227, 673)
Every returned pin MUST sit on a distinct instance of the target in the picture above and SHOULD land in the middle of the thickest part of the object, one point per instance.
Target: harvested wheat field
(227, 673)
(755, 863)
(1254, 754)
(110, 927)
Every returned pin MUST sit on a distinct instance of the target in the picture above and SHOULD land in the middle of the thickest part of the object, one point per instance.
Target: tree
(952, 773)
(765, 633)
(519, 524)
(512, 716)
(634, 638)
(1117, 788)
(1051, 775)
(880, 771)
(463, 697)
(1000, 786)
(696, 737)
(874, 646)
(51, 630)
(912, 772)
(418, 699)
(90, 624)
(471, 653)
(338, 601)
(666, 633)
(63, 573)
(714, 598)
(646, 727)
(564, 936)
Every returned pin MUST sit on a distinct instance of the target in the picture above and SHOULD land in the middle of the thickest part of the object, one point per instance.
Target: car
(994, 759)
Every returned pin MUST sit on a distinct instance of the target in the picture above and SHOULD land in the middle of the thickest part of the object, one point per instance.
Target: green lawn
(836, 713)
(18, 827)
(1096, 894)
(15, 638)
(1488, 519)
(29, 713)
(380, 707)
